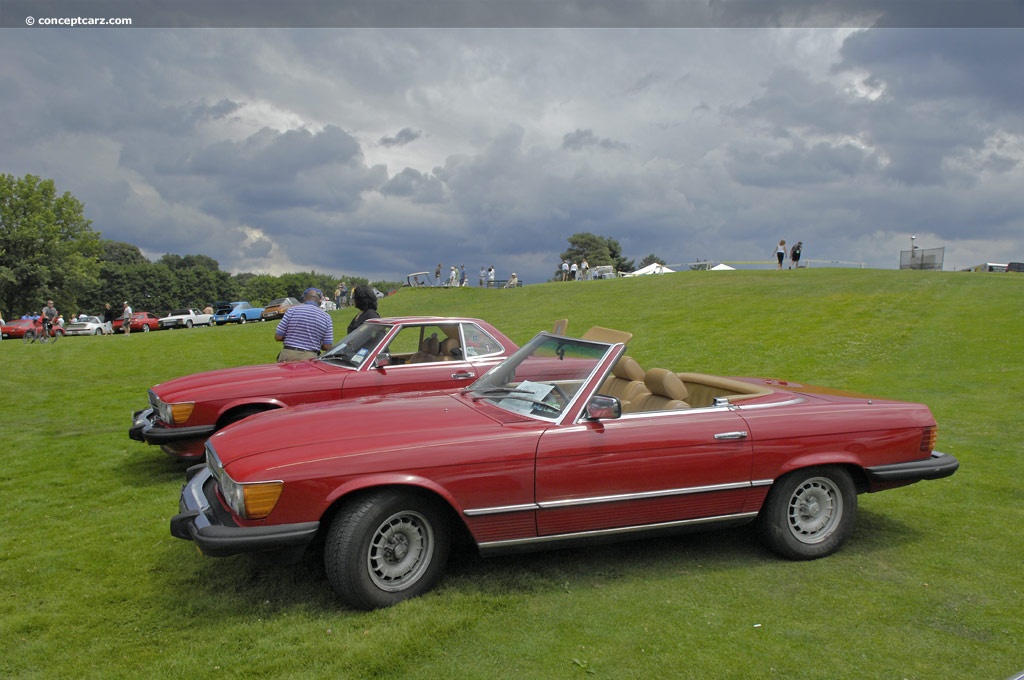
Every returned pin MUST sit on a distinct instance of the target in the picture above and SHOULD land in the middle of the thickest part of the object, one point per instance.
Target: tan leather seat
(667, 391)
(450, 349)
(429, 350)
(626, 383)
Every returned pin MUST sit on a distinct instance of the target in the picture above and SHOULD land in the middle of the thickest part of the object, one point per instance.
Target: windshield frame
(499, 386)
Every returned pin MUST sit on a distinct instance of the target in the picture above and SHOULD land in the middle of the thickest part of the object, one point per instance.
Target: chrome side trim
(613, 498)
(574, 502)
(597, 533)
(479, 512)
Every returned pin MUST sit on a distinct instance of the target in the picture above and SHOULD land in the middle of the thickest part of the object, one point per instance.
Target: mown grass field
(931, 585)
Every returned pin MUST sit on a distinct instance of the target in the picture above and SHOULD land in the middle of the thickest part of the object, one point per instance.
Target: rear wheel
(57, 334)
(29, 337)
(242, 319)
(386, 547)
(809, 513)
(145, 328)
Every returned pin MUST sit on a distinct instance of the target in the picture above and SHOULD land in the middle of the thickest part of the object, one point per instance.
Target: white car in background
(185, 318)
(86, 325)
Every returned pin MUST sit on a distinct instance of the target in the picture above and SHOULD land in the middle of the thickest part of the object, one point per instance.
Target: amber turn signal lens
(260, 499)
(181, 412)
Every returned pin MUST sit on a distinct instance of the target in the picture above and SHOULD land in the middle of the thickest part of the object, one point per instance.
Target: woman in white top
(780, 252)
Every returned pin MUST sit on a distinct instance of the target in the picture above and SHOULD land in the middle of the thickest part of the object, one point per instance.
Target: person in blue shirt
(305, 329)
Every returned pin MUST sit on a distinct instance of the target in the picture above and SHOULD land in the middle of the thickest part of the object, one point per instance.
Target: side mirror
(382, 359)
(601, 407)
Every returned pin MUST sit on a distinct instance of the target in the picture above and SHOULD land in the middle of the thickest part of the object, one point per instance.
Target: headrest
(665, 383)
(449, 344)
(628, 369)
(429, 345)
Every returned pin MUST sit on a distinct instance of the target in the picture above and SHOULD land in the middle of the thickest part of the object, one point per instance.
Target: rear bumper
(939, 465)
(204, 521)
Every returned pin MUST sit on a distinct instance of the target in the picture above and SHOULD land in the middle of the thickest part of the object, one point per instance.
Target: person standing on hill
(305, 329)
(126, 319)
(780, 253)
(794, 255)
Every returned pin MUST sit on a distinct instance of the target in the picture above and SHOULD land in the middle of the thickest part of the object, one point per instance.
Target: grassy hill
(930, 585)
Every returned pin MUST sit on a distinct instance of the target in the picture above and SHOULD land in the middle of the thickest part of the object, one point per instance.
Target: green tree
(47, 246)
(651, 259)
(598, 250)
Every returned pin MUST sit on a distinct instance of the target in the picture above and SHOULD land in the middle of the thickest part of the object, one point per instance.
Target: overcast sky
(383, 150)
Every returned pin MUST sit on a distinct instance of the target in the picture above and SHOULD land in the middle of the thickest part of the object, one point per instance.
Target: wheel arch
(237, 411)
(425, 489)
(843, 459)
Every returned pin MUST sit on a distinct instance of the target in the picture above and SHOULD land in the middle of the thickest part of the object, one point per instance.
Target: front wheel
(145, 329)
(57, 334)
(386, 547)
(809, 513)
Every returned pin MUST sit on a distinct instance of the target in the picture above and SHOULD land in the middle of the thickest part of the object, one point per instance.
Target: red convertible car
(380, 357)
(567, 441)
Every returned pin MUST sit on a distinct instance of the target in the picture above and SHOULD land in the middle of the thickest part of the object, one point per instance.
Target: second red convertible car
(567, 441)
(380, 357)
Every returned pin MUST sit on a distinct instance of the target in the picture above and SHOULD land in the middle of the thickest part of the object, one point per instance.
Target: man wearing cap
(306, 330)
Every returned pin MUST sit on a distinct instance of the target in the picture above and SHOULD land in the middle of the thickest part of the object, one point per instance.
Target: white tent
(654, 268)
(723, 268)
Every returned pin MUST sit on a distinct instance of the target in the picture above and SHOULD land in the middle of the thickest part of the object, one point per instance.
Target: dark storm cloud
(383, 152)
(581, 139)
(404, 136)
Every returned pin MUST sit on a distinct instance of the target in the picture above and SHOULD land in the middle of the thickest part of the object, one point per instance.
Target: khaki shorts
(289, 354)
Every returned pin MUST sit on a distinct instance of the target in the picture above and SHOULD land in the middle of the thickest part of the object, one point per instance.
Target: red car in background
(382, 356)
(15, 328)
(143, 322)
(566, 442)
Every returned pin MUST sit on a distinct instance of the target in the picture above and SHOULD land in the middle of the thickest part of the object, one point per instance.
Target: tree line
(48, 250)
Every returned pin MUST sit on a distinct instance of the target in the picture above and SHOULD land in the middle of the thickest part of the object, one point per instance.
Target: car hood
(244, 381)
(403, 428)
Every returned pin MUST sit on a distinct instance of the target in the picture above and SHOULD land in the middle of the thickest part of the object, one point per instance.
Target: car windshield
(543, 377)
(357, 345)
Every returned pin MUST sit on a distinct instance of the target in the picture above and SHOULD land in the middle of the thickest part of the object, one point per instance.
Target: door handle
(463, 376)
(740, 434)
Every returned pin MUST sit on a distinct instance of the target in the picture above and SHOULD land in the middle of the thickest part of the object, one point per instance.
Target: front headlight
(250, 500)
(173, 414)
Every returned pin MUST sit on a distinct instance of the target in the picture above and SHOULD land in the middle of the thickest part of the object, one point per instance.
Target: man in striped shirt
(306, 330)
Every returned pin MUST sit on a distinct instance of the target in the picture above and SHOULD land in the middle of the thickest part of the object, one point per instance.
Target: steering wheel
(560, 393)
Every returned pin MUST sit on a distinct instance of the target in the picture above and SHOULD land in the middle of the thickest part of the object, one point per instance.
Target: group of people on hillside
(794, 254)
(575, 271)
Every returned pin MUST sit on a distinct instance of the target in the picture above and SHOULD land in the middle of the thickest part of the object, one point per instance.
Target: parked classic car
(15, 328)
(141, 321)
(380, 357)
(567, 441)
(185, 318)
(277, 308)
(238, 312)
(86, 325)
